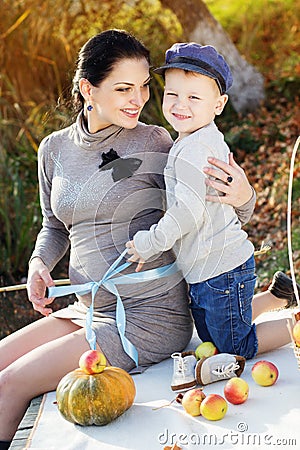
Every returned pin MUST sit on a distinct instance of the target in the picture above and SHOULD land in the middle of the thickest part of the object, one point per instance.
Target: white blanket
(269, 419)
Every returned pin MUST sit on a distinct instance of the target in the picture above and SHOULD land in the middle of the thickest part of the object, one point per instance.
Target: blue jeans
(222, 310)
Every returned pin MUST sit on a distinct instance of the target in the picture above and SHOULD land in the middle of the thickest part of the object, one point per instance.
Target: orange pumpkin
(95, 399)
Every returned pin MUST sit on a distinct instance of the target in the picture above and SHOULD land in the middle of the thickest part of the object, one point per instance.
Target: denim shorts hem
(255, 346)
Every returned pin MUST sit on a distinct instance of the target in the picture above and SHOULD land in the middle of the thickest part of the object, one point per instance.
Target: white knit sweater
(206, 237)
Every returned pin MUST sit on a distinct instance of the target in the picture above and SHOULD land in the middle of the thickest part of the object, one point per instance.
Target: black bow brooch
(121, 167)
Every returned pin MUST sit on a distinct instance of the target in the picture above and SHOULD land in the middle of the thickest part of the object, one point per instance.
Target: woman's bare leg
(39, 362)
(33, 335)
(272, 334)
(265, 301)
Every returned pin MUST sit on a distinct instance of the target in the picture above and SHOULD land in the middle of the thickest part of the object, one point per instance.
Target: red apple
(191, 401)
(92, 361)
(213, 407)
(296, 333)
(205, 349)
(264, 373)
(236, 391)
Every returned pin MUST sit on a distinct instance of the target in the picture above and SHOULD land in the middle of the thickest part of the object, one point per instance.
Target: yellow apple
(206, 349)
(296, 333)
(213, 407)
(264, 373)
(192, 400)
(236, 390)
(92, 361)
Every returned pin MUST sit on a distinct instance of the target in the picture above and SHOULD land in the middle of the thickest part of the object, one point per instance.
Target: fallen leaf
(174, 447)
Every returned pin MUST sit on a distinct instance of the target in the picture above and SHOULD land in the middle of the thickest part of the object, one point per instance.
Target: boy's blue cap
(203, 59)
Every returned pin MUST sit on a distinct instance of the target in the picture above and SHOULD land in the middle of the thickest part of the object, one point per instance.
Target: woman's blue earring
(89, 108)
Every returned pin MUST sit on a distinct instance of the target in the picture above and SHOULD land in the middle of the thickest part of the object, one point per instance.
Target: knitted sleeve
(245, 211)
(53, 239)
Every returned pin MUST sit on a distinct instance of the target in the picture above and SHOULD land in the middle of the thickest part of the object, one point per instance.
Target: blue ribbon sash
(110, 284)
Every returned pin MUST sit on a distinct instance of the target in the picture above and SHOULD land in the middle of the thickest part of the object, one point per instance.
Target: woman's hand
(135, 256)
(39, 279)
(237, 188)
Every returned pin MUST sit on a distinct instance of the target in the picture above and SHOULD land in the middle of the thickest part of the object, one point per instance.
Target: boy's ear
(221, 102)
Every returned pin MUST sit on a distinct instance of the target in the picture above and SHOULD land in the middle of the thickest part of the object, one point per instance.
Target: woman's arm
(52, 241)
(237, 192)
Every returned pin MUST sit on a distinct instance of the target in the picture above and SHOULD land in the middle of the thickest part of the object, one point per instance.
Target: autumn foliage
(274, 131)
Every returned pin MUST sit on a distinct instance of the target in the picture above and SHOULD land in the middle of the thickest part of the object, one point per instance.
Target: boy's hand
(135, 256)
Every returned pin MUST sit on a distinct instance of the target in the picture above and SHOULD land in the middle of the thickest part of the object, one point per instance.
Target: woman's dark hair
(98, 56)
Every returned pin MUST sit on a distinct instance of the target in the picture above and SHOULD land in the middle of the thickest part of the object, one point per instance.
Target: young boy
(212, 251)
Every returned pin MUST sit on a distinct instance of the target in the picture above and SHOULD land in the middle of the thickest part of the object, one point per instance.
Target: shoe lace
(226, 371)
(181, 366)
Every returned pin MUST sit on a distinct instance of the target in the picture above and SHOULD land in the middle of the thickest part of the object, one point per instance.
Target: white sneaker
(184, 371)
(219, 367)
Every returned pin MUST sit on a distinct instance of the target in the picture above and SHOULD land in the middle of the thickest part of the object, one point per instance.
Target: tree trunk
(200, 26)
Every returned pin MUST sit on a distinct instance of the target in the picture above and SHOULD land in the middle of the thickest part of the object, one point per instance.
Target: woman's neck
(91, 124)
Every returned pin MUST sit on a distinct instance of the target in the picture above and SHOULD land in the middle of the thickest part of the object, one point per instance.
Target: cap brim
(189, 67)
(184, 66)
(160, 70)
